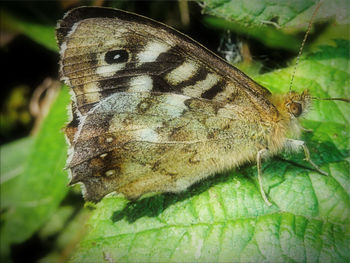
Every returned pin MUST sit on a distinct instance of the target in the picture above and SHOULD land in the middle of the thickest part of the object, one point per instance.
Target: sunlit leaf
(224, 219)
(272, 22)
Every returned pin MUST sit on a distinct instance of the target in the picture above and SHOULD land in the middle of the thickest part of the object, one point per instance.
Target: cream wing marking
(151, 52)
(182, 72)
(142, 83)
(201, 86)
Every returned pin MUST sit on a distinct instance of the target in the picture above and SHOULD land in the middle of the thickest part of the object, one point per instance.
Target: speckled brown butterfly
(154, 111)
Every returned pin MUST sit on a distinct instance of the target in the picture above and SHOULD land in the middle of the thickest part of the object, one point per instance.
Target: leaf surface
(274, 23)
(42, 183)
(225, 219)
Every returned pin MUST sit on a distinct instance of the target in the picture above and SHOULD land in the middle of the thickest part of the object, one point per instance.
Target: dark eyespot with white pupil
(116, 56)
(296, 109)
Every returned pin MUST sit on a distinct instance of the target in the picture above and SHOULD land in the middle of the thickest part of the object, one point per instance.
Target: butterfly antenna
(340, 99)
(303, 43)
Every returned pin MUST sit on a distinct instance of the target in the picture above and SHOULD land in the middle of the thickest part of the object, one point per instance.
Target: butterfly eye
(295, 108)
(116, 56)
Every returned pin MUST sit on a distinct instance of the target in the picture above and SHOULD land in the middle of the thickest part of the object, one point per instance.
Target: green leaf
(272, 22)
(269, 36)
(281, 13)
(42, 34)
(43, 182)
(12, 162)
(72, 231)
(224, 218)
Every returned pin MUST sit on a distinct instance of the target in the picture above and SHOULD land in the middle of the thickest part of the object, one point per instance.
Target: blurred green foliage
(15, 110)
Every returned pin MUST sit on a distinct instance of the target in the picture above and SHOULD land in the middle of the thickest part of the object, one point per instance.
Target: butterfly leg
(295, 144)
(258, 161)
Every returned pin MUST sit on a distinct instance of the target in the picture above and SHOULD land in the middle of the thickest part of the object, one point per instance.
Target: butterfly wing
(135, 143)
(153, 110)
(107, 50)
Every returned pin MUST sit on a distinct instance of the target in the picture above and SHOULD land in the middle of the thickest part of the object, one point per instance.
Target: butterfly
(155, 111)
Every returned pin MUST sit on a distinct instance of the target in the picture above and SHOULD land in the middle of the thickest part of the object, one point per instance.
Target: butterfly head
(296, 104)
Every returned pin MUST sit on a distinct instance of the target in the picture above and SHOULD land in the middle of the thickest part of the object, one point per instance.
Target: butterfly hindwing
(135, 138)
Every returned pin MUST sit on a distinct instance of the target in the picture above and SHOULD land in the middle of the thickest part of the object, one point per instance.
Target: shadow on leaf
(155, 205)
(152, 206)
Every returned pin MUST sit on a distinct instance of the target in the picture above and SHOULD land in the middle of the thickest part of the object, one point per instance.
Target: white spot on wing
(110, 173)
(119, 102)
(147, 135)
(183, 72)
(141, 84)
(152, 51)
(103, 155)
(109, 139)
(174, 105)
